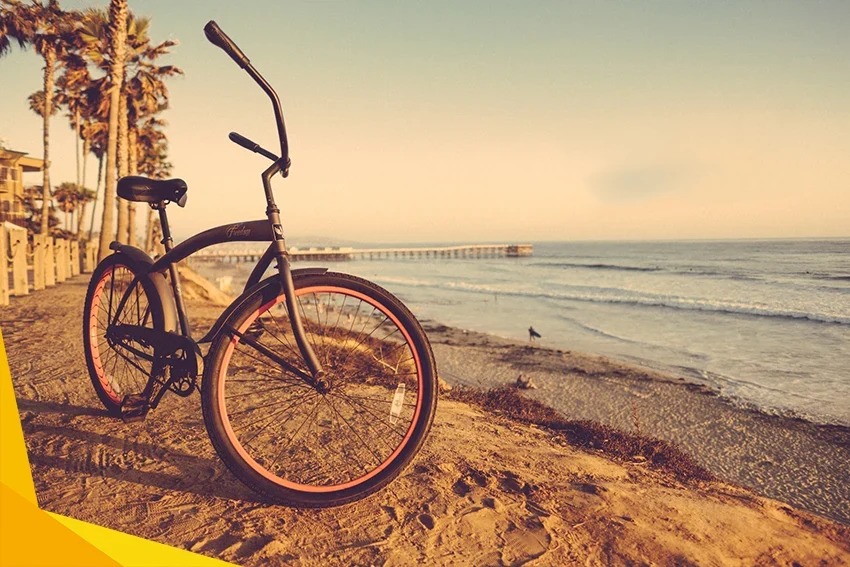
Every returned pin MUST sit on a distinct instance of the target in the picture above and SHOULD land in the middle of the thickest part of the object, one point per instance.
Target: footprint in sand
(493, 526)
(461, 488)
(426, 520)
(590, 488)
(511, 483)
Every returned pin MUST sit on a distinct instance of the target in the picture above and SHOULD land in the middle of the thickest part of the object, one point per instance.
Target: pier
(342, 254)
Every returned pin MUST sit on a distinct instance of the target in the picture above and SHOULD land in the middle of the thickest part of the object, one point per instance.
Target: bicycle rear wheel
(307, 445)
(114, 369)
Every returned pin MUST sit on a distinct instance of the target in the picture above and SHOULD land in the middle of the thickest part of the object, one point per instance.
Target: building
(13, 165)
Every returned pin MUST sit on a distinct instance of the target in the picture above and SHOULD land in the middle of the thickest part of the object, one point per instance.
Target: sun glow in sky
(502, 121)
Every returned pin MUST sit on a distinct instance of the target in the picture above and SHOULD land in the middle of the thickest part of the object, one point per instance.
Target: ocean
(765, 323)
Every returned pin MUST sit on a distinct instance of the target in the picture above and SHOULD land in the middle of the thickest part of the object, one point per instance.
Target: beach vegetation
(618, 445)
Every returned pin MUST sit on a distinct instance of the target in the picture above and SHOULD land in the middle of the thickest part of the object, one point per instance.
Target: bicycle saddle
(144, 190)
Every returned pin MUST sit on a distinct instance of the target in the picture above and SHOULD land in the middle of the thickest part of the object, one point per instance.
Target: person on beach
(532, 334)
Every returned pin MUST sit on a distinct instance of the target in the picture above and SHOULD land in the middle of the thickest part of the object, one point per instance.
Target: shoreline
(787, 458)
(690, 377)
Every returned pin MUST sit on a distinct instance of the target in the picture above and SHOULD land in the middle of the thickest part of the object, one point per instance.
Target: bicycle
(317, 389)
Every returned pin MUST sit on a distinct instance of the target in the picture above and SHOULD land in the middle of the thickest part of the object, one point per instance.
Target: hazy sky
(503, 121)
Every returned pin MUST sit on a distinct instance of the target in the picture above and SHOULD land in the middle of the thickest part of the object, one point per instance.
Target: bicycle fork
(273, 214)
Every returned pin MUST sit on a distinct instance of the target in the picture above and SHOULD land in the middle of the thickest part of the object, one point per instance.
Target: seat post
(166, 230)
(167, 242)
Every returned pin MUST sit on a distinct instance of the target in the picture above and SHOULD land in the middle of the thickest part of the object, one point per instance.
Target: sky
(501, 121)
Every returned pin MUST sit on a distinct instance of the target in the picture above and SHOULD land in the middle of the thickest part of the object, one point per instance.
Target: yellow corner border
(30, 536)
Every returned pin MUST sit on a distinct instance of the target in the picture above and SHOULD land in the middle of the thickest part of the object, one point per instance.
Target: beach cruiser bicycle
(317, 389)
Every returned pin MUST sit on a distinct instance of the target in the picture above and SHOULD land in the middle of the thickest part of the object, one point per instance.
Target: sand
(792, 460)
(484, 490)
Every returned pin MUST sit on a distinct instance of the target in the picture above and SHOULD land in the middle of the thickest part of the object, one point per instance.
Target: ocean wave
(676, 270)
(597, 266)
(608, 296)
(729, 388)
(598, 332)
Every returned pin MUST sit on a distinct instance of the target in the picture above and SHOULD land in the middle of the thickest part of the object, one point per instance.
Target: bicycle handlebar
(218, 38)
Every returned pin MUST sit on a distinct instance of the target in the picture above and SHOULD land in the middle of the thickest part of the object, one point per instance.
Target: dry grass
(659, 455)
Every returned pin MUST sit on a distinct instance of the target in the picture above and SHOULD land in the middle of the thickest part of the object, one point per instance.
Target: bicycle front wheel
(312, 445)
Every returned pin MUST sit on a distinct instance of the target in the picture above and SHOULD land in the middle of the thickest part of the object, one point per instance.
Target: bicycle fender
(271, 287)
(143, 262)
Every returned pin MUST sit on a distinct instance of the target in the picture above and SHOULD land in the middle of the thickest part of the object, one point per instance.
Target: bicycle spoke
(287, 344)
(350, 402)
(354, 431)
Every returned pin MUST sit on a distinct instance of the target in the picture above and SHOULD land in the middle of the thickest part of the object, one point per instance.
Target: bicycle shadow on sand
(99, 454)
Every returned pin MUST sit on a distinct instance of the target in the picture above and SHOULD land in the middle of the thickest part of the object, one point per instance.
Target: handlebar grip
(243, 141)
(219, 38)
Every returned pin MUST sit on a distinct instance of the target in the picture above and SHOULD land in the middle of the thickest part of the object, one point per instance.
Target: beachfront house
(13, 165)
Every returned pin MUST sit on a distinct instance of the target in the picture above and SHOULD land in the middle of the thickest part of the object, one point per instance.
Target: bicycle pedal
(134, 407)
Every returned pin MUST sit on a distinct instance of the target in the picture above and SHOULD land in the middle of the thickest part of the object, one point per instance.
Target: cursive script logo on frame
(237, 231)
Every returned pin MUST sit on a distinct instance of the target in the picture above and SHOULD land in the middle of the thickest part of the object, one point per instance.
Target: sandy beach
(485, 490)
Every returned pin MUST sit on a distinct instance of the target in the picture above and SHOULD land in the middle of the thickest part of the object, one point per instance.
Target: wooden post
(84, 257)
(66, 259)
(49, 261)
(90, 255)
(61, 260)
(39, 243)
(4, 267)
(17, 250)
(75, 258)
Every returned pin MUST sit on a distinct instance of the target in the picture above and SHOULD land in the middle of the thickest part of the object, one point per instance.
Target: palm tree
(147, 92)
(99, 141)
(32, 204)
(37, 102)
(95, 131)
(84, 197)
(147, 96)
(13, 29)
(66, 195)
(49, 30)
(117, 32)
(71, 87)
(88, 109)
(95, 34)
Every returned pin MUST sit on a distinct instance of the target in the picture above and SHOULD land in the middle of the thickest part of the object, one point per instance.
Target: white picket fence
(36, 262)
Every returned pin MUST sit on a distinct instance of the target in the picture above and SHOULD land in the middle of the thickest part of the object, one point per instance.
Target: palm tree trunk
(82, 219)
(96, 192)
(123, 169)
(86, 151)
(76, 125)
(133, 150)
(49, 64)
(118, 39)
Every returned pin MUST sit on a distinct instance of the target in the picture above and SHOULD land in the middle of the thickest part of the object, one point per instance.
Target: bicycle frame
(270, 230)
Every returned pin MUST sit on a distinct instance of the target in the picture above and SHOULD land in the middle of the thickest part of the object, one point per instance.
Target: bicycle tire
(368, 374)
(116, 372)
